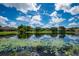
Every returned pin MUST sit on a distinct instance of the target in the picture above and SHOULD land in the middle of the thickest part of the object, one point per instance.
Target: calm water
(65, 38)
(41, 50)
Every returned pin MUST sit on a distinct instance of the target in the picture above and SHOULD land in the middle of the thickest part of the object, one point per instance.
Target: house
(77, 31)
(6, 29)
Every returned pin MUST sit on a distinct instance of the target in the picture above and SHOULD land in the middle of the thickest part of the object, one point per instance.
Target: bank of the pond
(4, 33)
(57, 46)
(32, 32)
(21, 42)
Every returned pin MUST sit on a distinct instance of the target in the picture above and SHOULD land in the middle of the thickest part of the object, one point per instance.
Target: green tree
(28, 28)
(38, 29)
(22, 29)
(61, 30)
(22, 32)
(53, 29)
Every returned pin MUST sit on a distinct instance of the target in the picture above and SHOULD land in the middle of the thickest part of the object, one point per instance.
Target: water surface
(55, 39)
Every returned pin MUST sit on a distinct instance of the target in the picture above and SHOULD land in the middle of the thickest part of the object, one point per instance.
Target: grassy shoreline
(33, 32)
(8, 33)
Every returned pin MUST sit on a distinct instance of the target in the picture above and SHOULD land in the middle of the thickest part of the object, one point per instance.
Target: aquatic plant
(42, 47)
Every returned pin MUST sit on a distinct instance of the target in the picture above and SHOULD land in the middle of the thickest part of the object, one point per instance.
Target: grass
(8, 33)
(13, 43)
(56, 45)
(34, 43)
(69, 33)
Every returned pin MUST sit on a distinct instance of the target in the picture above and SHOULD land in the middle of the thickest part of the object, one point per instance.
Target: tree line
(26, 29)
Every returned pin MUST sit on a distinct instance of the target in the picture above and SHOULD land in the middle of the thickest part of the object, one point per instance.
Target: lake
(65, 38)
(61, 41)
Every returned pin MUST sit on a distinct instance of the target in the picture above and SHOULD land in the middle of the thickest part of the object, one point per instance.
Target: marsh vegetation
(27, 41)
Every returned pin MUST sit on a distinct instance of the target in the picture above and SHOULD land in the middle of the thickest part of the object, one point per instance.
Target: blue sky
(39, 14)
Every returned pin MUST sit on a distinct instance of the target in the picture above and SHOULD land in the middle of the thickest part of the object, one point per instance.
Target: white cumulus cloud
(23, 18)
(36, 18)
(67, 8)
(36, 21)
(71, 19)
(23, 7)
(3, 20)
(56, 20)
(74, 10)
(73, 24)
(12, 24)
(62, 6)
(75, 18)
(53, 14)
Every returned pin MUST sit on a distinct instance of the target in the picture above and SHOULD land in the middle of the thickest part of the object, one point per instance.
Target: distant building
(77, 31)
(6, 29)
